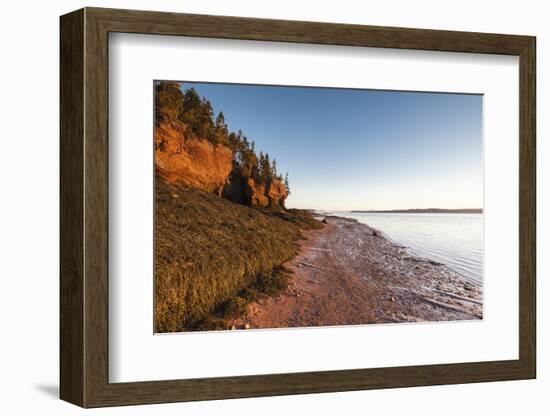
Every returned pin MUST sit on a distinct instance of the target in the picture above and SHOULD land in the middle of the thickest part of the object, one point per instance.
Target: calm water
(452, 239)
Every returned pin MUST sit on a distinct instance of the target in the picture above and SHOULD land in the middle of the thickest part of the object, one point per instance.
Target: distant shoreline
(424, 211)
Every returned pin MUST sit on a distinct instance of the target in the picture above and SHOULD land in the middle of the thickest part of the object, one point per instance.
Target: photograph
(279, 206)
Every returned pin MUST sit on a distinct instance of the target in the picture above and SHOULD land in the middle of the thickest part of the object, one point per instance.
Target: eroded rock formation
(201, 165)
(244, 190)
(195, 163)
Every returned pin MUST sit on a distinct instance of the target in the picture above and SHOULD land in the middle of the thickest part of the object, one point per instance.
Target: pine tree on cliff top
(261, 160)
(265, 170)
(274, 168)
(233, 141)
(191, 114)
(287, 186)
(168, 101)
(206, 125)
(222, 133)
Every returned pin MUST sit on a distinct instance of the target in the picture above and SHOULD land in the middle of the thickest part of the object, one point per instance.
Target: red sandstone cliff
(191, 162)
(244, 190)
(201, 165)
(277, 193)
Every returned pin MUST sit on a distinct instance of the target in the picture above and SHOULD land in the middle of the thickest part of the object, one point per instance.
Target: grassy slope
(207, 250)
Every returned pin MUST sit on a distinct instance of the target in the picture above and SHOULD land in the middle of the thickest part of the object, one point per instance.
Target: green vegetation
(168, 102)
(212, 256)
(196, 113)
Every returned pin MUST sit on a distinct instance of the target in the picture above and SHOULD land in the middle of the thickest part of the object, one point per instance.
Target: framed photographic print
(255, 207)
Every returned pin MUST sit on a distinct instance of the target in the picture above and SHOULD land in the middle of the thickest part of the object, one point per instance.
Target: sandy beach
(349, 273)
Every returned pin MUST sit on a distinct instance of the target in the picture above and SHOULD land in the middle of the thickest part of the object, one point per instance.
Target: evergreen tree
(287, 185)
(254, 172)
(233, 141)
(261, 174)
(206, 123)
(168, 101)
(191, 114)
(221, 130)
(249, 162)
(265, 169)
(274, 168)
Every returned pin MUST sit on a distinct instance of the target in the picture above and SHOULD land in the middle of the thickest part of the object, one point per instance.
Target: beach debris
(304, 264)
(452, 295)
(324, 220)
(246, 326)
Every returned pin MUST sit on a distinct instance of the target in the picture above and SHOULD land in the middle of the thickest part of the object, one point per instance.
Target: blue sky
(350, 149)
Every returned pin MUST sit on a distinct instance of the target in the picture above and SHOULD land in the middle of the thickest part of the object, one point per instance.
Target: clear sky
(350, 149)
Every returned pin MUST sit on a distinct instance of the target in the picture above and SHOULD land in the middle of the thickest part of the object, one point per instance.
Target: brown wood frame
(84, 208)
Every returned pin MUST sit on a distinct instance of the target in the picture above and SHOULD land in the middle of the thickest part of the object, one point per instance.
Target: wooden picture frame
(84, 207)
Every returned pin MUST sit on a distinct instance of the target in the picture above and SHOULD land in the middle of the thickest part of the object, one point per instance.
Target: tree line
(197, 114)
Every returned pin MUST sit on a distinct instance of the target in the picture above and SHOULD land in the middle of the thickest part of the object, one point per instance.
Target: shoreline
(411, 250)
(422, 211)
(349, 273)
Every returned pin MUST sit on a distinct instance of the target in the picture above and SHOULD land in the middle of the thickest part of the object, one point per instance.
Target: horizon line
(401, 210)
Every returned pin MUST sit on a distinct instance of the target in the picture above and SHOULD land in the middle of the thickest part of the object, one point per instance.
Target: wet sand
(348, 273)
